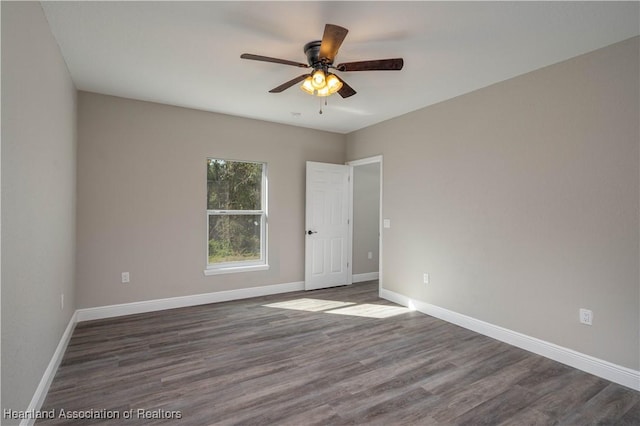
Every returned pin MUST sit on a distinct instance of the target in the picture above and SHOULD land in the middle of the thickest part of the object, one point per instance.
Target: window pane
(234, 185)
(234, 238)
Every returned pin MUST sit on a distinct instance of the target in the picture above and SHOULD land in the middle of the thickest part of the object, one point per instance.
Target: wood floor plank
(298, 359)
(498, 409)
(607, 407)
(527, 417)
(488, 387)
(631, 417)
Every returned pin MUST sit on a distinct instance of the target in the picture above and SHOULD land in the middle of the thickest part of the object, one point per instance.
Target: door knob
(311, 232)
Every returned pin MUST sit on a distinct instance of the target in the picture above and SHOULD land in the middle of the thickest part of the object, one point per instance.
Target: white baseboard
(110, 311)
(598, 367)
(43, 387)
(368, 276)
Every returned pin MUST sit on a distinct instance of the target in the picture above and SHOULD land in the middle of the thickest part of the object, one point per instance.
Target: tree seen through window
(236, 216)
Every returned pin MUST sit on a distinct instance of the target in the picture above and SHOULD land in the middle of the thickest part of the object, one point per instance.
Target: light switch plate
(386, 223)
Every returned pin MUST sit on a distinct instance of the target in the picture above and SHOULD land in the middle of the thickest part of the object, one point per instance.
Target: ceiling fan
(320, 57)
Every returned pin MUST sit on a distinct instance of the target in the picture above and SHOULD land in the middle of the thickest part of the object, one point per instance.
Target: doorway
(366, 219)
(343, 223)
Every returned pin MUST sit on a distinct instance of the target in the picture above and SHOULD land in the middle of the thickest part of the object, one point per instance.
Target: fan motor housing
(312, 50)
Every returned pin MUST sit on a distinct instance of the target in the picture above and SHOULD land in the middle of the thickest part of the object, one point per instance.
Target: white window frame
(261, 264)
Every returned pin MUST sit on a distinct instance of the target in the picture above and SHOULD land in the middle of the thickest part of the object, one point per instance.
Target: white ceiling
(188, 53)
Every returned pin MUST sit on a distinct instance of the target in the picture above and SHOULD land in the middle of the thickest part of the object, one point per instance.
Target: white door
(327, 225)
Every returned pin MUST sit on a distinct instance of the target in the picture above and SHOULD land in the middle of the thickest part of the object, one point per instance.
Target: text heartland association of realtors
(139, 413)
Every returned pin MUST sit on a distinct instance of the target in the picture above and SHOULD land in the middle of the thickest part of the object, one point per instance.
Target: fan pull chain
(325, 103)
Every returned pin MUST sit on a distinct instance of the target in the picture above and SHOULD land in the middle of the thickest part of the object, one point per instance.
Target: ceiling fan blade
(274, 60)
(331, 41)
(394, 64)
(346, 90)
(288, 84)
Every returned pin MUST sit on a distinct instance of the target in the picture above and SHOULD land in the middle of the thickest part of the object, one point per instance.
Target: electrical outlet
(425, 278)
(586, 316)
(370, 255)
(125, 277)
(62, 301)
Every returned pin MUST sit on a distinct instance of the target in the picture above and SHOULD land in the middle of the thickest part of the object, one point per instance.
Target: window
(236, 216)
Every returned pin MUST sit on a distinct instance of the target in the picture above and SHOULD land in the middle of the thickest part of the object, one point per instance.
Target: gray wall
(142, 196)
(522, 202)
(38, 199)
(366, 217)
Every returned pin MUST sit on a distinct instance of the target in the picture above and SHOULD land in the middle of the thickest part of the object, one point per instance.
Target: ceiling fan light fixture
(318, 80)
(307, 86)
(333, 84)
(323, 92)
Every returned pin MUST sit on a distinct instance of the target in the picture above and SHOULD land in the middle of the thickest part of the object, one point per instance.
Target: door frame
(352, 164)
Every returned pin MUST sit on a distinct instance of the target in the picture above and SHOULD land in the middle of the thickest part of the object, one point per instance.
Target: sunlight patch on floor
(371, 311)
(309, 305)
(367, 310)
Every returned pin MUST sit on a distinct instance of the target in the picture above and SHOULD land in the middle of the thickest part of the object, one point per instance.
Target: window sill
(234, 269)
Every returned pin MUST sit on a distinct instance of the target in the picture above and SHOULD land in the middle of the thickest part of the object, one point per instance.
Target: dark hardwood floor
(301, 359)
